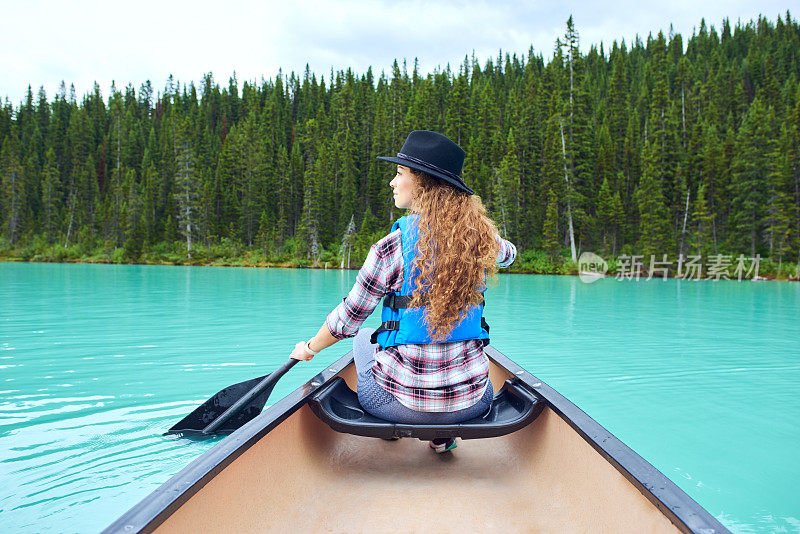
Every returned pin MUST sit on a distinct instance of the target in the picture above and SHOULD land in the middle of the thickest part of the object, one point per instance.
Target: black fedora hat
(434, 154)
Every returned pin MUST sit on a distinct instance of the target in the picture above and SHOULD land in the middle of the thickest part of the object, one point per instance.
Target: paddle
(231, 407)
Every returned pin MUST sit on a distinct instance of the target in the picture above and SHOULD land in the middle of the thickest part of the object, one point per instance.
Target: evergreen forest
(650, 147)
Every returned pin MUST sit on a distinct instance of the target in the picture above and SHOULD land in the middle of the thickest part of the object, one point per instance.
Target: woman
(425, 364)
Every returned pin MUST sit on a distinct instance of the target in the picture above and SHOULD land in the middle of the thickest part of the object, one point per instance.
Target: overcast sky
(42, 43)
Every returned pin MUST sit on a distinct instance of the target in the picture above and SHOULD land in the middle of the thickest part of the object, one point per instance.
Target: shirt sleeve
(507, 253)
(371, 285)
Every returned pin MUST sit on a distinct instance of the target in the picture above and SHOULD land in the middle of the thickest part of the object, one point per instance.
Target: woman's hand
(322, 340)
(299, 352)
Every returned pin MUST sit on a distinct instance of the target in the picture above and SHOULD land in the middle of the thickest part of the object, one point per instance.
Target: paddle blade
(202, 416)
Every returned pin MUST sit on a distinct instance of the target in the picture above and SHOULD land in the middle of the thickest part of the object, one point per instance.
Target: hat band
(431, 165)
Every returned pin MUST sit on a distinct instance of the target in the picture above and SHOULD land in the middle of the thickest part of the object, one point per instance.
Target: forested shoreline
(640, 149)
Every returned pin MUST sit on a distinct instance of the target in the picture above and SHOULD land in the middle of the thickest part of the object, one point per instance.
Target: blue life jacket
(402, 324)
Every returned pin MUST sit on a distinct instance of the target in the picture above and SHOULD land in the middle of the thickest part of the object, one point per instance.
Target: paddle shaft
(268, 382)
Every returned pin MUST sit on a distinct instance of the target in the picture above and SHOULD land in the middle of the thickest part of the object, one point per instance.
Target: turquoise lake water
(97, 361)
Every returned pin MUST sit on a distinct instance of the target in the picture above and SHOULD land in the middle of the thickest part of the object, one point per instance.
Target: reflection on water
(96, 362)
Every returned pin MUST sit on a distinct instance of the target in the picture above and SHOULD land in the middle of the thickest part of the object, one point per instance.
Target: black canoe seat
(514, 406)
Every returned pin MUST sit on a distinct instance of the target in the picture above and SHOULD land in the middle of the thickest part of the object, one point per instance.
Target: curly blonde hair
(454, 226)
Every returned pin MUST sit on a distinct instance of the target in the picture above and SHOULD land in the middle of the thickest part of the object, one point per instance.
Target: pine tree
(506, 190)
(748, 185)
(267, 234)
(286, 195)
(345, 167)
(186, 183)
(703, 220)
(457, 115)
(83, 187)
(550, 232)
(711, 171)
(653, 230)
(134, 231)
(420, 112)
(347, 244)
(113, 214)
(571, 196)
(609, 214)
(51, 196)
(251, 179)
(617, 104)
(11, 174)
(778, 217)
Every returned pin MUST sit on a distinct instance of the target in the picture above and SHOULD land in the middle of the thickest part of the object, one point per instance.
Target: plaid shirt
(437, 377)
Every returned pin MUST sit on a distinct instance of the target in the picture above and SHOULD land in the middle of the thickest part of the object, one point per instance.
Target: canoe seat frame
(513, 407)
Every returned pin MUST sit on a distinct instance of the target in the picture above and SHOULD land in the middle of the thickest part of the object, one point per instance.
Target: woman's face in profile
(403, 186)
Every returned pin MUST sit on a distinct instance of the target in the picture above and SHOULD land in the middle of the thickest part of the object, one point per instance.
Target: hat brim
(461, 186)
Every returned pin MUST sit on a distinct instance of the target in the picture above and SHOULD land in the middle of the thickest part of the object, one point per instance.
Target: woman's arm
(374, 280)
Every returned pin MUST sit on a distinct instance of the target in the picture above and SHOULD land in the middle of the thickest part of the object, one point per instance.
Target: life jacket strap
(395, 302)
(395, 325)
(384, 327)
(485, 326)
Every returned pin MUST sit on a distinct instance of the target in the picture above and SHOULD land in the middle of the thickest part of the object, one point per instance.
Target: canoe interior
(303, 476)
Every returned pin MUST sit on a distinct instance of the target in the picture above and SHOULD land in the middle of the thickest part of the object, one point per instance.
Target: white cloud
(83, 42)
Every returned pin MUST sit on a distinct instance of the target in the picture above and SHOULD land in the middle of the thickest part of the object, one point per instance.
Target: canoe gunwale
(673, 502)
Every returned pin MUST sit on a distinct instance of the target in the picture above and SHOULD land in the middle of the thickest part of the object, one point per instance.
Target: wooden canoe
(288, 471)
